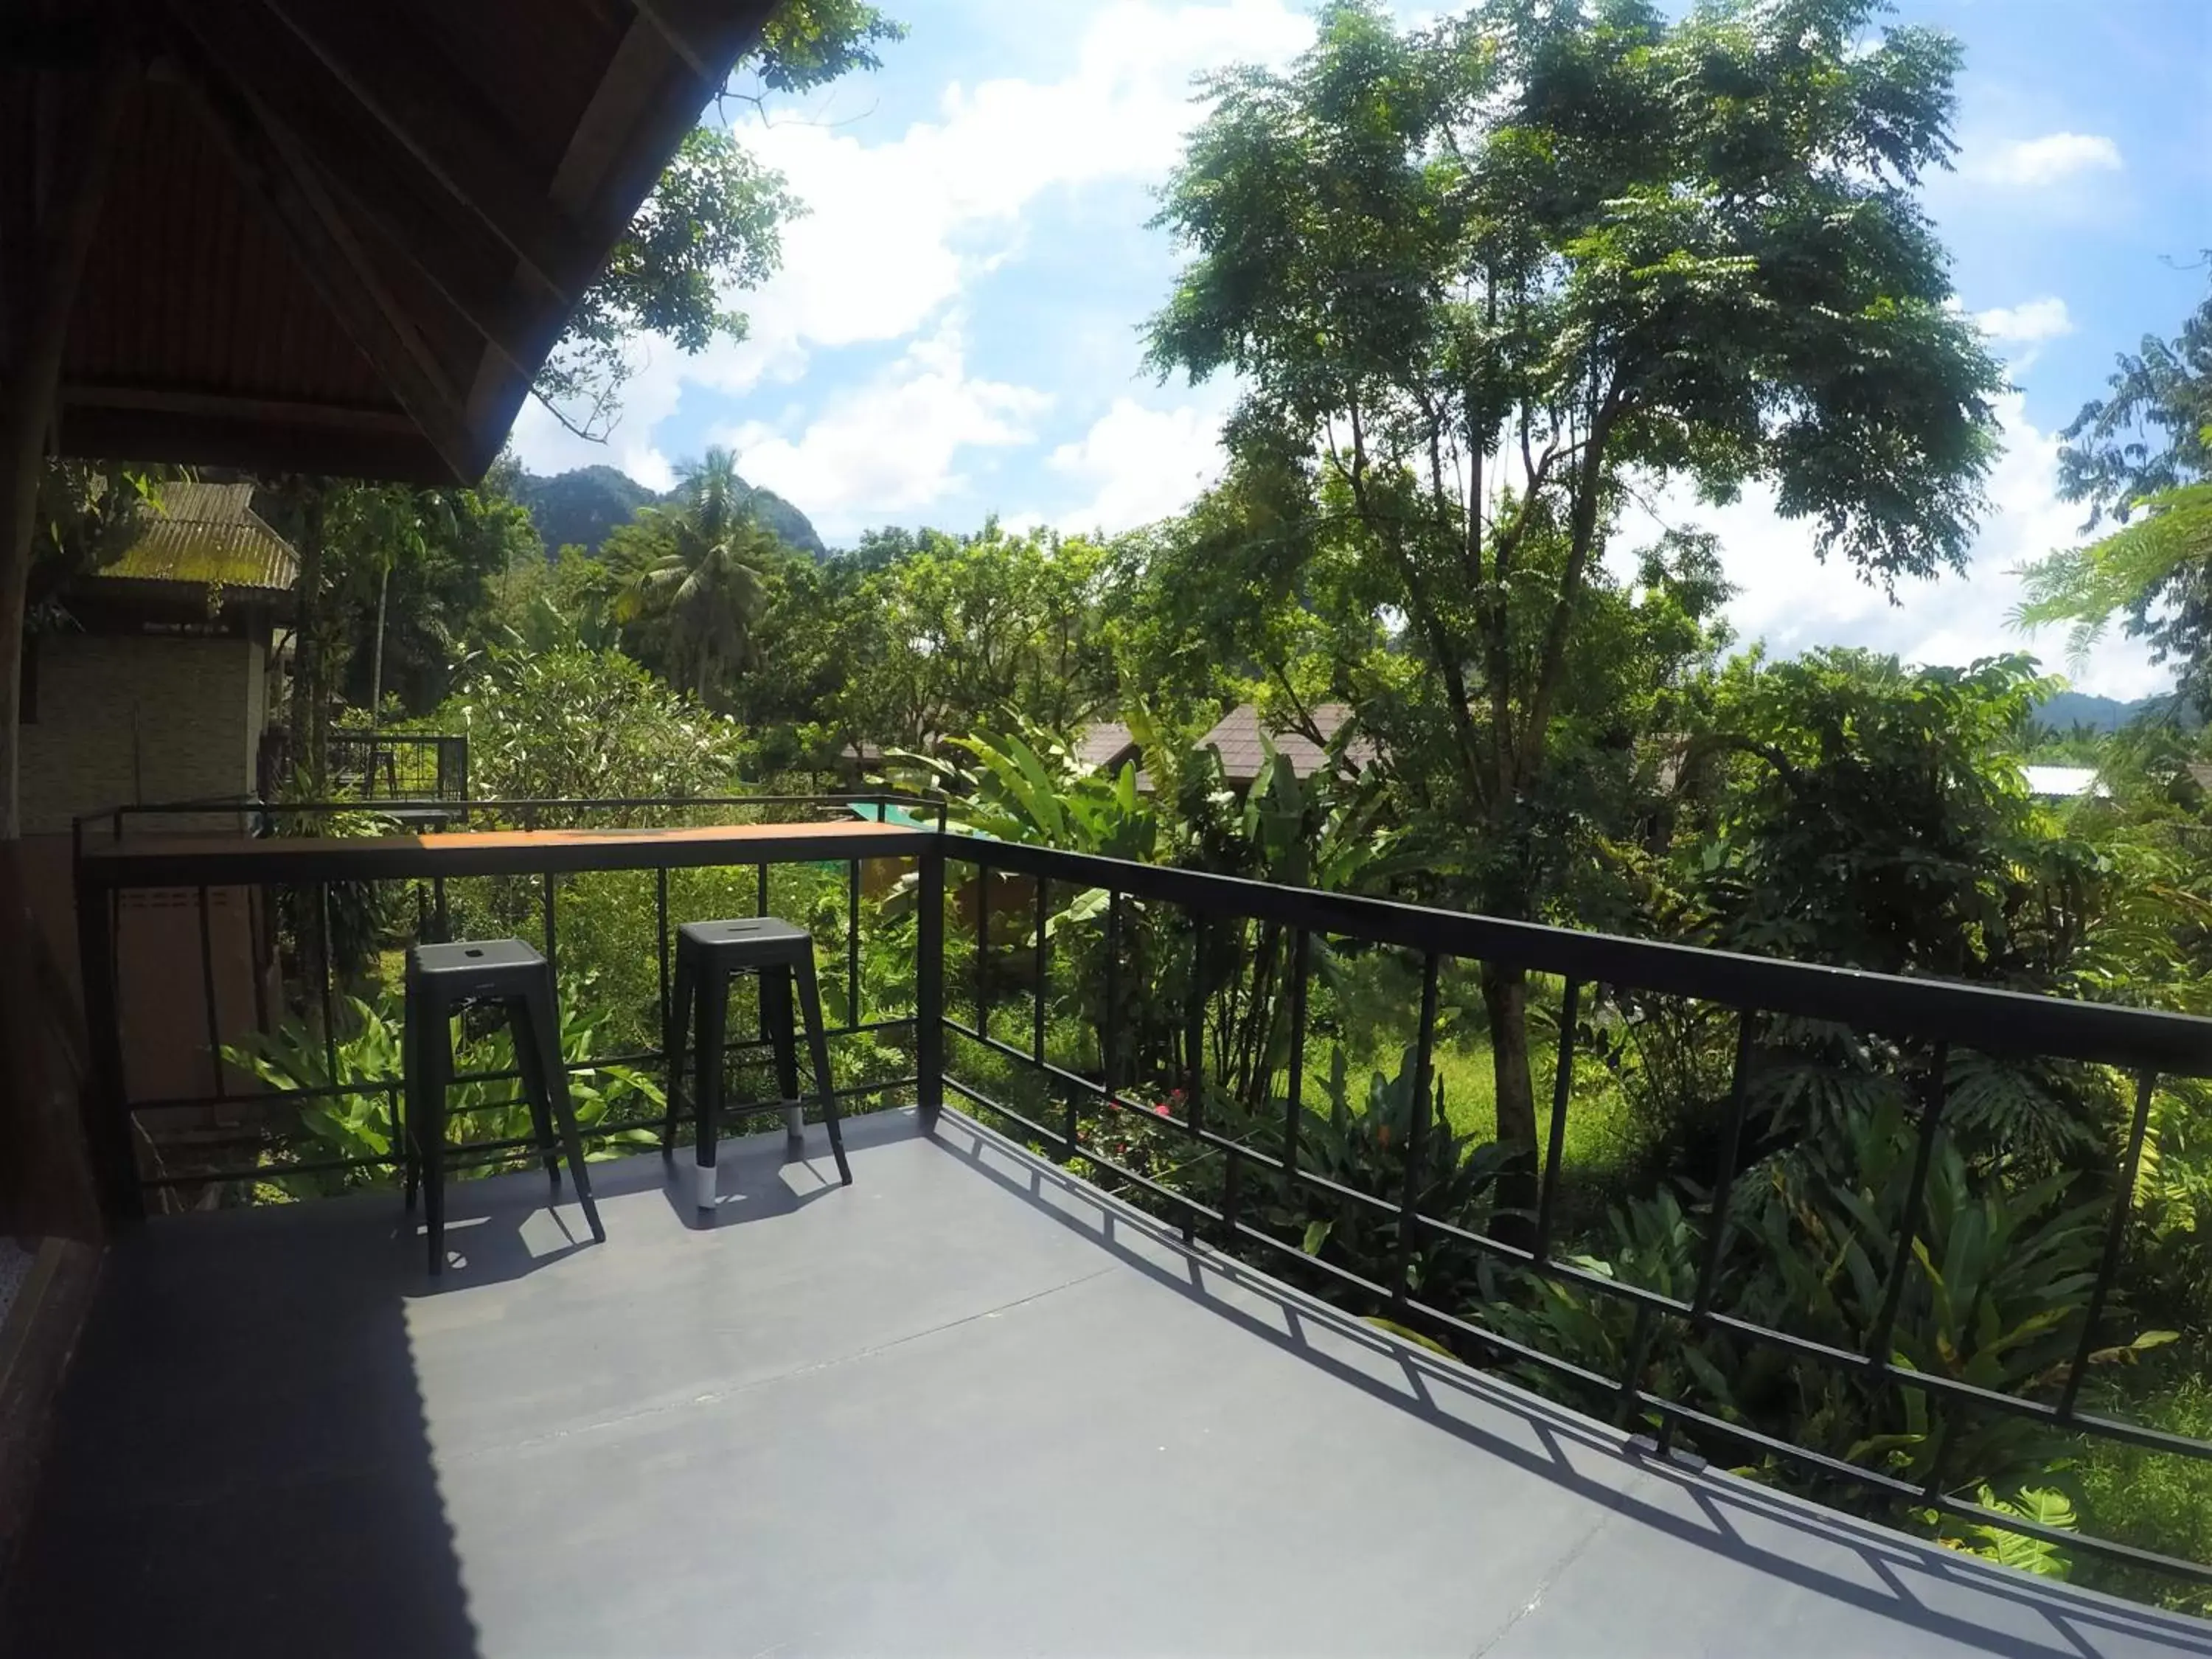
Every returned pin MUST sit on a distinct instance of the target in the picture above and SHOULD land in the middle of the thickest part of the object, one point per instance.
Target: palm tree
(708, 584)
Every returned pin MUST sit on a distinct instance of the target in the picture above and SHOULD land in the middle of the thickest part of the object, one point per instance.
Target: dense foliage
(1483, 282)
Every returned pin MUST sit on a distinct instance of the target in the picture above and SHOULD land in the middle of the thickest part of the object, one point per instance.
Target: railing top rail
(182, 862)
(112, 815)
(1983, 1017)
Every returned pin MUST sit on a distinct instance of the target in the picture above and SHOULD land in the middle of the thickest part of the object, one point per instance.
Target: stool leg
(539, 1032)
(410, 1115)
(776, 1021)
(679, 1023)
(714, 1012)
(537, 1086)
(434, 1047)
(810, 999)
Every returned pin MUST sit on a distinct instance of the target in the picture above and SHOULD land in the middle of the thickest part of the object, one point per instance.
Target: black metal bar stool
(441, 979)
(709, 954)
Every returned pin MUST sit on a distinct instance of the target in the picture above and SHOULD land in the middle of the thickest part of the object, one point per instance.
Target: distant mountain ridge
(581, 508)
(2069, 709)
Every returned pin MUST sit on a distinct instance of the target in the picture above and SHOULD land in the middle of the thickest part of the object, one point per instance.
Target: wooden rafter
(332, 257)
(416, 99)
(313, 124)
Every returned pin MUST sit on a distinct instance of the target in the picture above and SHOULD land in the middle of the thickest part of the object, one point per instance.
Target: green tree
(2142, 458)
(702, 575)
(968, 631)
(713, 223)
(1481, 278)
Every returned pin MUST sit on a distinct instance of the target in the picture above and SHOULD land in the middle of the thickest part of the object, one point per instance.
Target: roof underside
(335, 237)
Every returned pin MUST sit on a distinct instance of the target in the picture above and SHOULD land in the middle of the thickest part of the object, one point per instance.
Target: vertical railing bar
(208, 997)
(552, 943)
(1110, 1031)
(1701, 1303)
(1294, 1096)
(1194, 1100)
(2115, 1234)
(660, 940)
(1639, 1342)
(1416, 1129)
(929, 985)
(1555, 1142)
(328, 969)
(852, 1014)
(1701, 1300)
(1232, 1192)
(760, 894)
(982, 948)
(1908, 1223)
(111, 1120)
(257, 927)
(1043, 967)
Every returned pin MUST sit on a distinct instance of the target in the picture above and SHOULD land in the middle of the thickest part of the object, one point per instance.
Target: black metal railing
(296, 883)
(985, 931)
(388, 766)
(1937, 1017)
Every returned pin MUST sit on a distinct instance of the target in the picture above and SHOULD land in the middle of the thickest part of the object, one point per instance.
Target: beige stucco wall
(136, 718)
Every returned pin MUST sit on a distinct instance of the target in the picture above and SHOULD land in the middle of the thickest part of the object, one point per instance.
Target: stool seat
(469, 969)
(708, 955)
(767, 937)
(442, 979)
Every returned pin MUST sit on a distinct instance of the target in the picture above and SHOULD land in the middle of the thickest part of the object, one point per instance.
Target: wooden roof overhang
(334, 236)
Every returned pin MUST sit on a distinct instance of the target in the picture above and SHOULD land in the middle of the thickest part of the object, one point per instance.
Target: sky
(955, 330)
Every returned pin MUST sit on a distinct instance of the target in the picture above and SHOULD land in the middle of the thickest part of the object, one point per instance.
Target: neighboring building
(2064, 782)
(160, 692)
(1238, 735)
(1106, 746)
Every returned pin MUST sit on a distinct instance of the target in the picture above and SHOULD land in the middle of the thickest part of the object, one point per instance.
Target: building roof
(208, 534)
(2064, 782)
(1104, 744)
(334, 237)
(1237, 736)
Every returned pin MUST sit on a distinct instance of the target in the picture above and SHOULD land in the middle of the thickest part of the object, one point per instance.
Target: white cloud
(894, 231)
(1789, 600)
(2028, 163)
(891, 446)
(1140, 465)
(2030, 323)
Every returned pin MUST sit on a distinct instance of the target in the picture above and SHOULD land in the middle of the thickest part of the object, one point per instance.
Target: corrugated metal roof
(208, 535)
(1237, 737)
(2064, 782)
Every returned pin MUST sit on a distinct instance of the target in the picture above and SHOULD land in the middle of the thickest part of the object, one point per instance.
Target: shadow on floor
(199, 1436)
(1883, 1572)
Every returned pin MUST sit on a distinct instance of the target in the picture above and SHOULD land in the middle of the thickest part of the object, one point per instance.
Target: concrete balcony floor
(965, 1407)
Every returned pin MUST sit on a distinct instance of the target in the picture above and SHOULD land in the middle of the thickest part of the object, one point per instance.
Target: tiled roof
(1237, 737)
(208, 535)
(1105, 743)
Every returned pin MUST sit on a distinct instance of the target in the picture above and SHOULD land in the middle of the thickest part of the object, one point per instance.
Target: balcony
(1017, 1388)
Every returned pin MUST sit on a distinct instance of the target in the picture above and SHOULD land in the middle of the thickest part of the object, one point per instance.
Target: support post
(32, 366)
(929, 985)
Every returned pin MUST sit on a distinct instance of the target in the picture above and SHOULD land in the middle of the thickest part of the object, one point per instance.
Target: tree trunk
(1505, 996)
(376, 652)
(310, 714)
(27, 403)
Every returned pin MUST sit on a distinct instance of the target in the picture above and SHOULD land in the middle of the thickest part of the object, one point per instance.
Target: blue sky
(955, 329)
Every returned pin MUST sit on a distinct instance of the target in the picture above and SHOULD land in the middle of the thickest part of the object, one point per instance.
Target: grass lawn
(1600, 1138)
